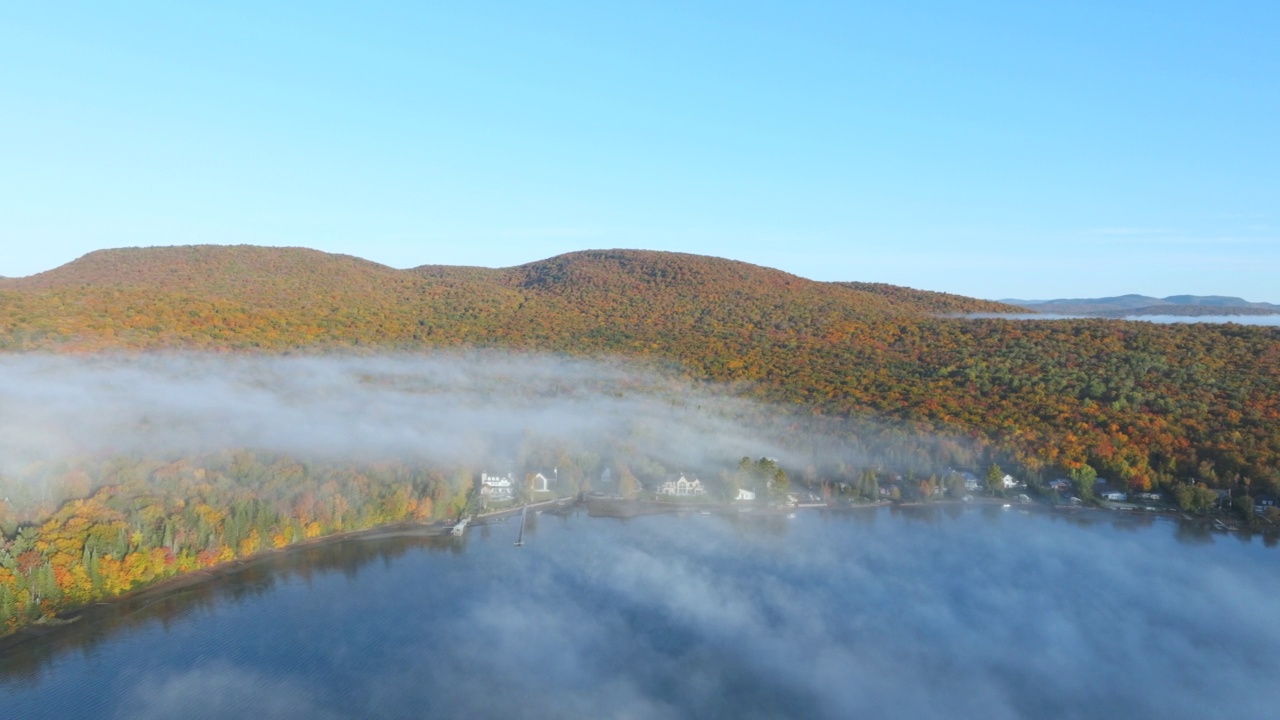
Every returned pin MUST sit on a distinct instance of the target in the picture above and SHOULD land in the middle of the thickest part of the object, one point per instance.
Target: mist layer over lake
(917, 613)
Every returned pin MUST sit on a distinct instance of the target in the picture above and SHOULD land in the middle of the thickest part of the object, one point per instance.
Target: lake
(938, 612)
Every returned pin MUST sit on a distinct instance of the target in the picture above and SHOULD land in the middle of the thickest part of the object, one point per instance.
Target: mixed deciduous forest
(1148, 406)
(140, 521)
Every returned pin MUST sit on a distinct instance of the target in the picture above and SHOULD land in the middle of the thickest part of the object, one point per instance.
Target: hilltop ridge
(282, 277)
(246, 272)
(261, 273)
(250, 297)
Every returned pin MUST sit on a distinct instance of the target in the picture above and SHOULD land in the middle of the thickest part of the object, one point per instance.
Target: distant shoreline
(1269, 319)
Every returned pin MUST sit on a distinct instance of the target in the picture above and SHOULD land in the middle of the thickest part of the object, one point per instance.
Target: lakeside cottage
(682, 487)
(497, 488)
(745, 495)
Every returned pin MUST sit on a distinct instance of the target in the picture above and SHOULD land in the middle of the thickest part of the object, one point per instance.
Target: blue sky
(1049, 149)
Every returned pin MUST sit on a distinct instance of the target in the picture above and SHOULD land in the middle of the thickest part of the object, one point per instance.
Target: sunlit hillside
(1145, 404)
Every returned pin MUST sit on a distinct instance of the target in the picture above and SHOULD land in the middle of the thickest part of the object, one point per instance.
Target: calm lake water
(924, 613)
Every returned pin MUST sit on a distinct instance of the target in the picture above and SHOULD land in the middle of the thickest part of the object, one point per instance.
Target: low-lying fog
(472, 412)
(444, 409)
(952, 613)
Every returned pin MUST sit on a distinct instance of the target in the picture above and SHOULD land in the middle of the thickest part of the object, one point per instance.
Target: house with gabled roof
(682, 487)
(497, 488)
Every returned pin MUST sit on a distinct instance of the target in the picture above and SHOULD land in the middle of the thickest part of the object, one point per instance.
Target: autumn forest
(1149, 406)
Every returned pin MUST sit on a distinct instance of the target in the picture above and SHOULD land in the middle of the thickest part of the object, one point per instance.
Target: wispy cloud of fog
(1263, 320)
(454, 409)
(986, 615)
(1007, 617)
(219, 691)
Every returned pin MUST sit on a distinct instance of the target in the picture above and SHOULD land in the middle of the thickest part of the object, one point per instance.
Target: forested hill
(270, 298)
(934, 302)
(259, 275)
(1142, 403)
(299, 276)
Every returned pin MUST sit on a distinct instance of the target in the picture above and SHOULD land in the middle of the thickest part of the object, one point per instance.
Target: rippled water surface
(926, 613)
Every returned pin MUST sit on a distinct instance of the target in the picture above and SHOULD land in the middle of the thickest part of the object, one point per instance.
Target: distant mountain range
(1127, 305)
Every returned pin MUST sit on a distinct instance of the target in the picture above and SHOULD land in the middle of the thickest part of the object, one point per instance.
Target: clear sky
(996, 149)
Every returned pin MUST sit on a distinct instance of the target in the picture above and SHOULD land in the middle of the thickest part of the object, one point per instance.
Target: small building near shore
(497, 488)
(744, 495)
(682, 487)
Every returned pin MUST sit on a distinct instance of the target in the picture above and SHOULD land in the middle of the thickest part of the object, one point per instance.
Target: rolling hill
(1147, 404)
(242, 296)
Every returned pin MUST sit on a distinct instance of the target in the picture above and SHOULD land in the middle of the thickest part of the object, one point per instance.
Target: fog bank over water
(443, 408)
(915, 614)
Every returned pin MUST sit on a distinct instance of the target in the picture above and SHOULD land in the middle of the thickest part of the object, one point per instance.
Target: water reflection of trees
(25, 655)
(1193, 534)
(759, 523)
(925, 514)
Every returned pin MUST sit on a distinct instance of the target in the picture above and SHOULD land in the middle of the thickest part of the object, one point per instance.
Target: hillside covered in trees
(279, 298)
(1145, 405)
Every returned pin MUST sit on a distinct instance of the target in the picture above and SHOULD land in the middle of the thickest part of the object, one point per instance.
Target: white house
(539, 483)
(970, 481)
(745, 495)
(497, 487)
(1114, 496)
(1009, 482)
(682, 487)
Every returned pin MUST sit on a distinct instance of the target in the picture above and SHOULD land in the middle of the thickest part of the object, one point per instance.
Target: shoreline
(173, 585)
(615, 508)
(169, 586)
